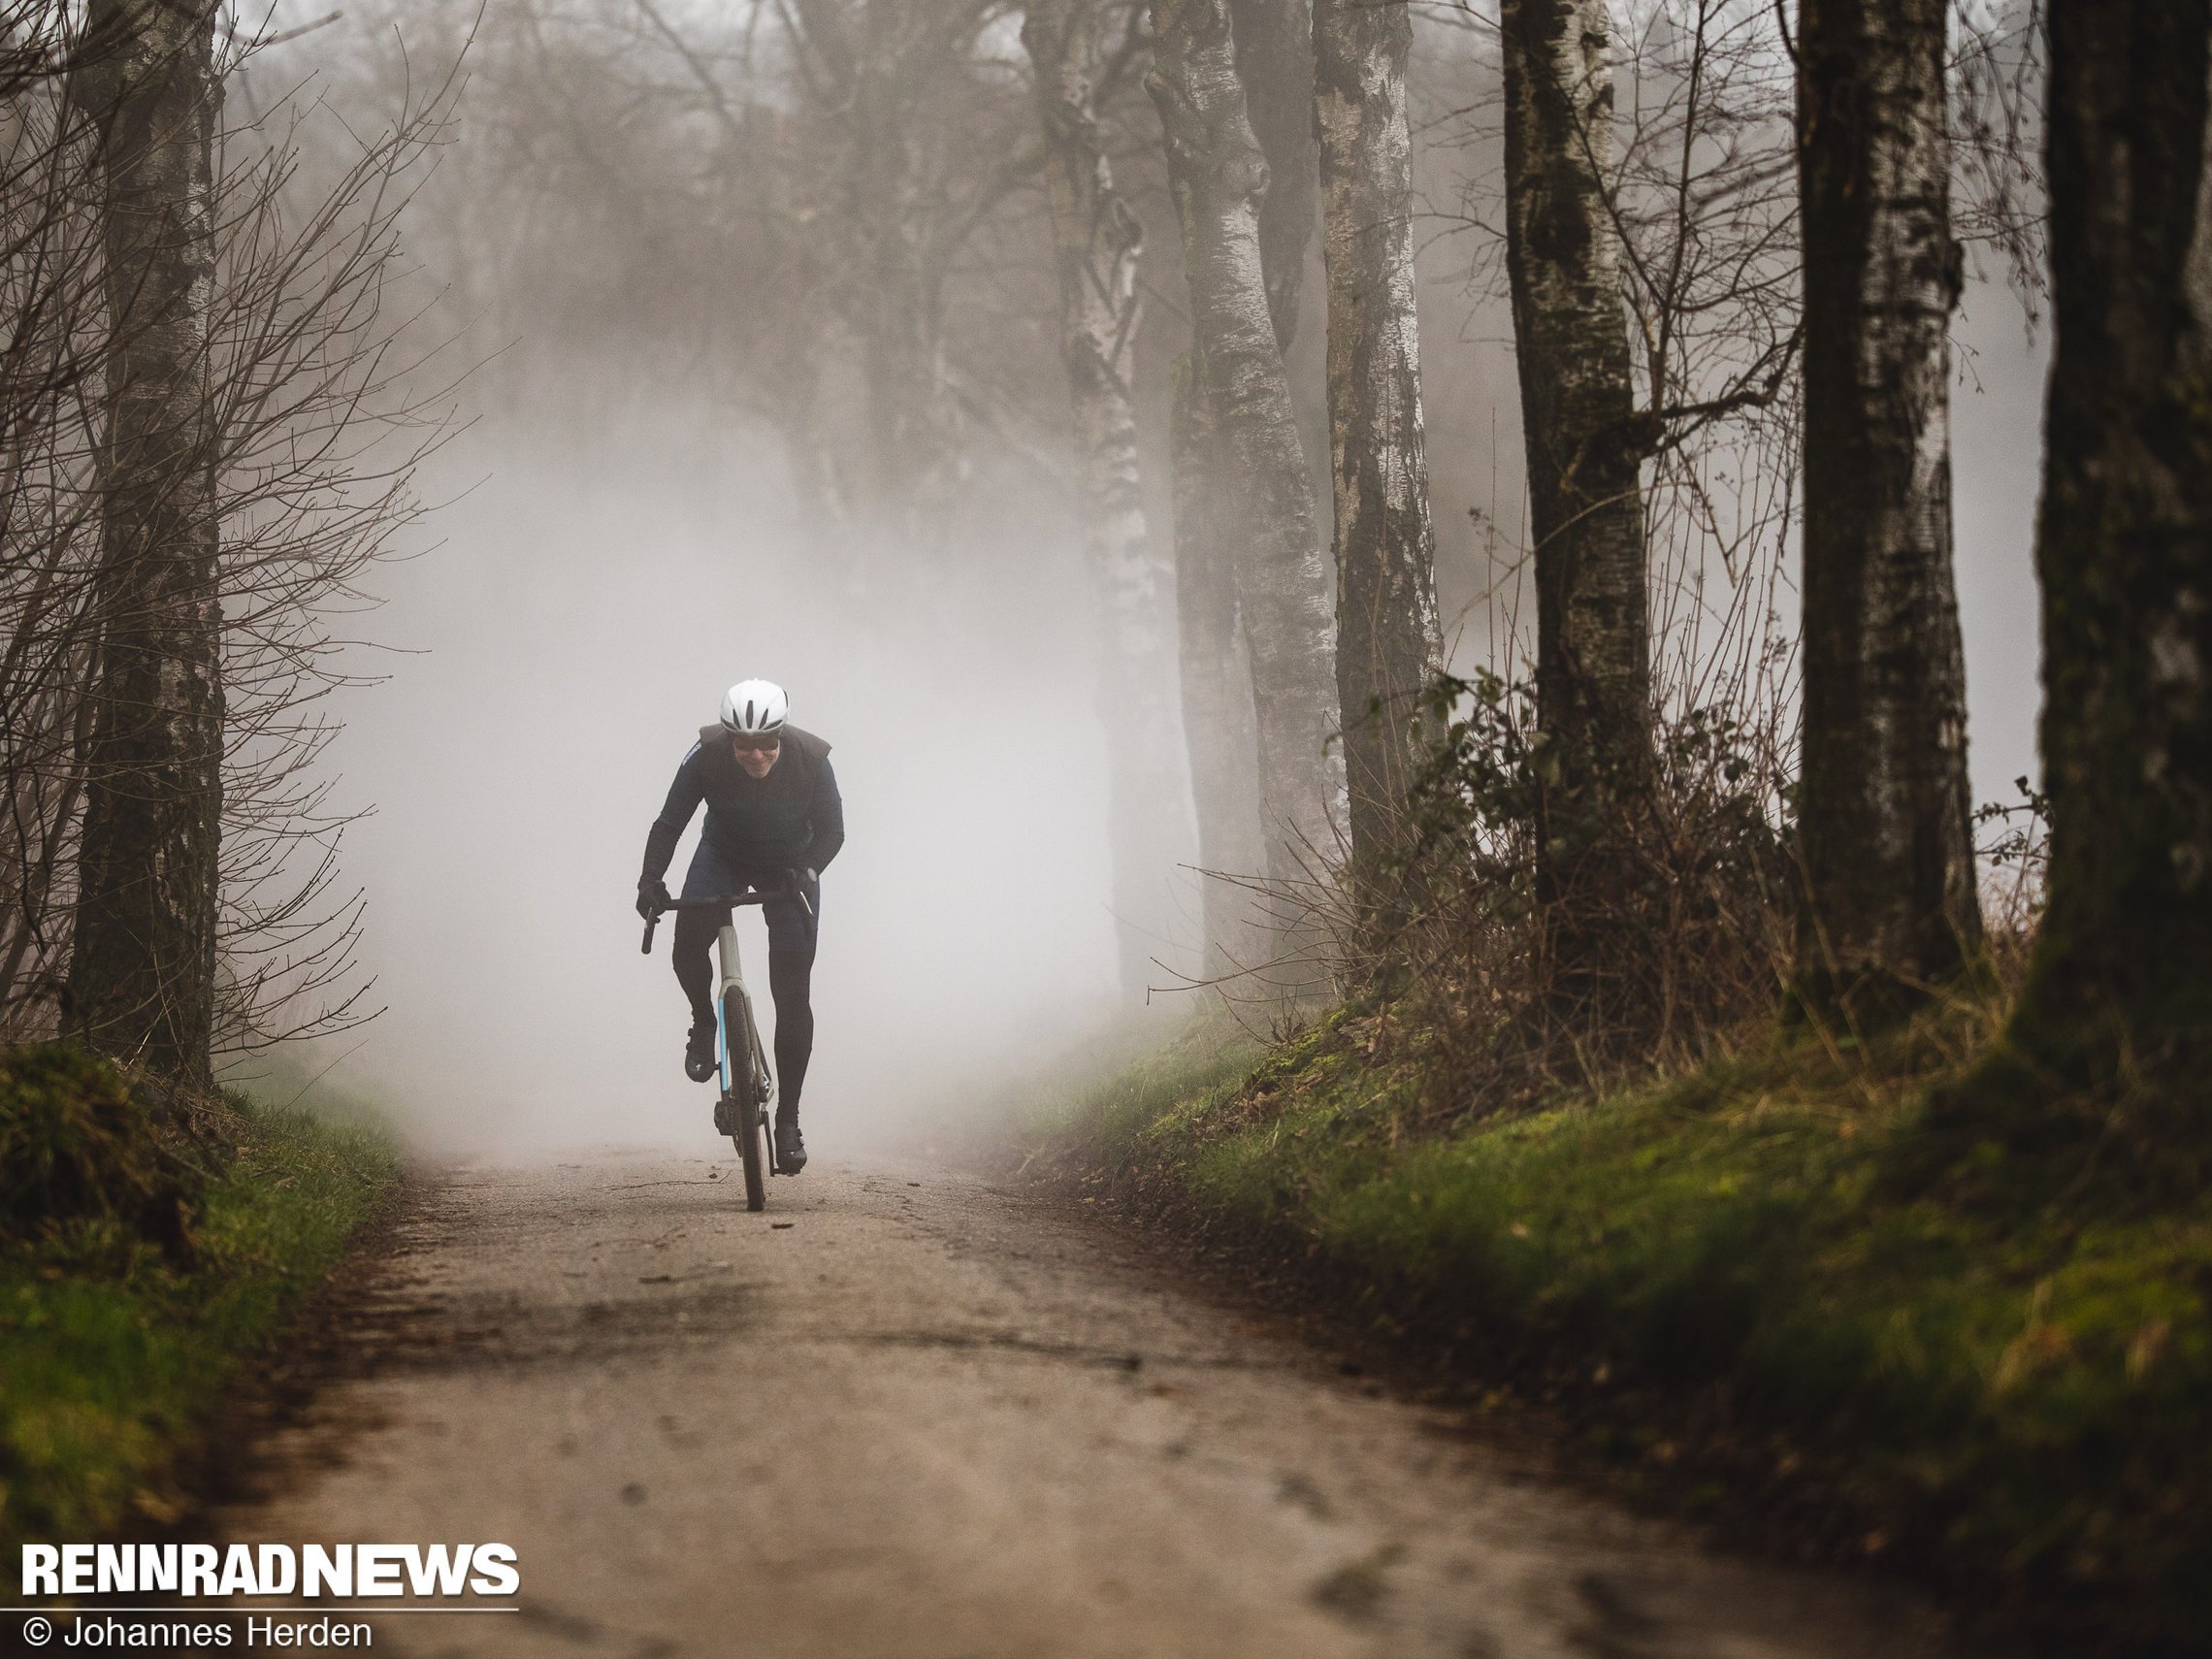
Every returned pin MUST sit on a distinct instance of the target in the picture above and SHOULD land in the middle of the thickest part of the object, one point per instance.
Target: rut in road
(950, 1420)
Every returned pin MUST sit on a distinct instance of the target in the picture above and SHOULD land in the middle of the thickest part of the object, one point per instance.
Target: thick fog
(551, 654)
(1996, 472)
(614, 542)
(554, 656)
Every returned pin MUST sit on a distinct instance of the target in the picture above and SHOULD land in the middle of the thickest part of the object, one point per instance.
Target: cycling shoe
(791, 1149)
(698, 1053)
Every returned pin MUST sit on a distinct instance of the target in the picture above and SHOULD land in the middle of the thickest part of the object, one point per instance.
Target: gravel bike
(748, 1088)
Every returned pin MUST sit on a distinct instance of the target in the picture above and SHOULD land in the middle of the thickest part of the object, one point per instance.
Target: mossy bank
(1752, 1289)
(148, 1249)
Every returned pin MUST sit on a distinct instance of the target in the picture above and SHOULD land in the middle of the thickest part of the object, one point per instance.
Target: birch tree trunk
(2124, 551)
(1275, 66)
(1275, 63)
(1217, 176)
(1218, 722)
(141, 977)
(1885, 813)
(1388, 642)
(1593, 671)
(1097, 245)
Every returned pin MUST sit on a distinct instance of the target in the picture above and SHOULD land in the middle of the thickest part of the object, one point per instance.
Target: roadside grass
(1755, 1286)
(114, 1351)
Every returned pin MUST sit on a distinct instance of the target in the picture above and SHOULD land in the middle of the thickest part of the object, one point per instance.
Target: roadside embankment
(149, 1247)
(1750, 1290)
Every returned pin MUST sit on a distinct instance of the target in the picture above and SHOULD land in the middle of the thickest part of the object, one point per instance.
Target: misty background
(618, 535)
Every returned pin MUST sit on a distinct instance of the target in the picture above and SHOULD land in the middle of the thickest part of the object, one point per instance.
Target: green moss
(113, 1353)
(80, 1149)
(2010, 1384)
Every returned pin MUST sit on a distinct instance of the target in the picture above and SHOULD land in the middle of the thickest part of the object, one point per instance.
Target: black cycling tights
(790, 982)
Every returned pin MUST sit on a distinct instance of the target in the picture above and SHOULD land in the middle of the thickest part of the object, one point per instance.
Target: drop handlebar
(725, 901)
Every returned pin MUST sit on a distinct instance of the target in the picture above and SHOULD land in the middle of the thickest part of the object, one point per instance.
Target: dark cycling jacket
(792, 819)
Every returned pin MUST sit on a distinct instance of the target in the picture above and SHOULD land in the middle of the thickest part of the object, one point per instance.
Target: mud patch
(507, 1331)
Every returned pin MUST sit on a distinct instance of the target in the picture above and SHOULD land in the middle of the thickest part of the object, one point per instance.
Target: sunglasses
(755, 745)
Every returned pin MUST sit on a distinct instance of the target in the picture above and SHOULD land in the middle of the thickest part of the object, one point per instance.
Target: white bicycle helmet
(753, 708)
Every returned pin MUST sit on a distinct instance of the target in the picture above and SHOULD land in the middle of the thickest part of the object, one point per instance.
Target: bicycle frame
(731, 976)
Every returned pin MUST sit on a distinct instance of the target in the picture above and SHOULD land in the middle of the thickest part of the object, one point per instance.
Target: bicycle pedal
(722, 1124)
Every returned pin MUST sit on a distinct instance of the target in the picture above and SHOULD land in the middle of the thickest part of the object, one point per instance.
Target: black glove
(653, 897)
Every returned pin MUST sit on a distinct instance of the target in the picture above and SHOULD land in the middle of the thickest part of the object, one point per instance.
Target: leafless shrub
(1698, 924)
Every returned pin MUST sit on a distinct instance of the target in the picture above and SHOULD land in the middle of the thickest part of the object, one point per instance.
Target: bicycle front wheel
(745, 1098)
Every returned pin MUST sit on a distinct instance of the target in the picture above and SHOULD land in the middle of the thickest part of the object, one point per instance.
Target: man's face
(757, 755)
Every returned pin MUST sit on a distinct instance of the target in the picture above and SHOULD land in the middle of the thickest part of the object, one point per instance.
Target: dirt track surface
(929, 1421)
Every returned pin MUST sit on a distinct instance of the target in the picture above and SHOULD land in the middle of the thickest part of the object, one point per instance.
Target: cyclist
(774, 816)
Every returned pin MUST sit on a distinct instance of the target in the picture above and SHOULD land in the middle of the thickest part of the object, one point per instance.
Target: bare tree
(898, 134)
(1593, 669)
(142, 972)
(2125, 554)
(1388, 642)
(846, 165)
(300, 430)
(874, 74)
(1885, 811)
(50, 524)
(1098, 244)
(1219, 176)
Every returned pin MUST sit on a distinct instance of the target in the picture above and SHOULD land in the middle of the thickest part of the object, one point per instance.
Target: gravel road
(891, 1420)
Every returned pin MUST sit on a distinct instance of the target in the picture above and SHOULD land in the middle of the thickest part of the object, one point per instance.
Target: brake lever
(651, 921)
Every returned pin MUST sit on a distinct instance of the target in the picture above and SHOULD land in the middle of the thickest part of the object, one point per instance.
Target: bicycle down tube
(745, 1101)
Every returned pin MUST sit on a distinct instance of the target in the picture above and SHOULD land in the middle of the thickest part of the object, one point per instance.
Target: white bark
(1389, 640)
(1283, 588)
(1218, 722)
(1886, 814)
(1097, 245)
